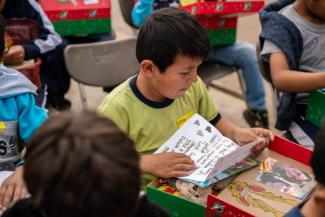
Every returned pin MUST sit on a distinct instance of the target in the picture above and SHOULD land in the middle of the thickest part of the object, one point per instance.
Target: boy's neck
(147, 89)
(302, 9)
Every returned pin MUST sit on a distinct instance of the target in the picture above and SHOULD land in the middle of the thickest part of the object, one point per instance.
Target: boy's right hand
(167, 165)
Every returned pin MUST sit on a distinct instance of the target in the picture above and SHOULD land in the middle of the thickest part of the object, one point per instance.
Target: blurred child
(293, 41)
(239, 54)
(82, 165)
(315, 205)
(166, 92)
(48, 46)
(19, 119)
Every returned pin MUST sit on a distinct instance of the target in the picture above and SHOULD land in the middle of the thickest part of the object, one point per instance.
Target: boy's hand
(12, 189)
(15, 55)
(246, 135)
(167, 165)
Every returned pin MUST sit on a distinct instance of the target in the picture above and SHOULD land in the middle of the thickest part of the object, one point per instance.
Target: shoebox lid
(76, 9)
(230, 202)
(82, 27)
(316, 107)
(222, 7)
(215, 22)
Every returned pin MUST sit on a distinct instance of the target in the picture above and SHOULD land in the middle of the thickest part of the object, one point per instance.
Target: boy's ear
(148, 68)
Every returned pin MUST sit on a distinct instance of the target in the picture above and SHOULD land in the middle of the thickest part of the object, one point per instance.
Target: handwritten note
(208, 148)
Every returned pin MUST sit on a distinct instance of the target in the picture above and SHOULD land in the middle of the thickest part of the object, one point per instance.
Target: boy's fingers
(184, 167)
(186, 160)
(24, 192)
(8, 196)
(179, 173)
(3, 189)
(17, 193)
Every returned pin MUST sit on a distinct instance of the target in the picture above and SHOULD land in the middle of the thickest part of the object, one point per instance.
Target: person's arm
(48, 39)
(167, 165)
(141, 10)
(287, 80)
(31, 116)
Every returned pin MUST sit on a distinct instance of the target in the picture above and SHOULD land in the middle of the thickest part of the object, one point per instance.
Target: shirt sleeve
(48, 39)
(30, 116)
(141, 10)
(269, 48)
(207, 107)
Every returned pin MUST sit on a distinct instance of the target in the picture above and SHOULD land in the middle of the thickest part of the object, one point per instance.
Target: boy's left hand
(13, 188)
(15, 55)
(246, 135)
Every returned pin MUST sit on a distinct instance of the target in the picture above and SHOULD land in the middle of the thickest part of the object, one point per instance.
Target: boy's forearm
(226, 127)
(144, 164)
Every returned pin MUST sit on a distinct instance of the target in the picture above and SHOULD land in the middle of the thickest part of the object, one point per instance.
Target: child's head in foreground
(171, 45)
(82, 165)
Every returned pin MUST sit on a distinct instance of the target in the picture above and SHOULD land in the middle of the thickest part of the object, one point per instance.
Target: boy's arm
(287, 80)
(31, 116)
(141, 10)
(167, 165)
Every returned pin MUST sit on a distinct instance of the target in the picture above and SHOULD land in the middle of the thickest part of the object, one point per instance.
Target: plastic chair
(107, 63)
(208, 72)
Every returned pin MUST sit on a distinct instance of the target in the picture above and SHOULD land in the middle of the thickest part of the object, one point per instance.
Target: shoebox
(78, 17)
(316, 107)
(219, 17)
(244, 196)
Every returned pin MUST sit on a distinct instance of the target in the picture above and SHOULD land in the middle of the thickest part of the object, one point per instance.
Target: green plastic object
(82, 27)
(222, 36)
(316, 108)
(175, 206)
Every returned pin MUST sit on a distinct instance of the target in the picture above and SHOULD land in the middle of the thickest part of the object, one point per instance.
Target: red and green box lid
(76, 9)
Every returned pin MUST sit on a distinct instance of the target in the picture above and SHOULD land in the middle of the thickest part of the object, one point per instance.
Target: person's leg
(243, 56)
(56, 77)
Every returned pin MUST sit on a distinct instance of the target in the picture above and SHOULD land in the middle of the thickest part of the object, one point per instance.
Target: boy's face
(177, 78)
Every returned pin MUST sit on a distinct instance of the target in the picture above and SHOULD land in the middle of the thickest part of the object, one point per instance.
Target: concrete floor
(230, 107)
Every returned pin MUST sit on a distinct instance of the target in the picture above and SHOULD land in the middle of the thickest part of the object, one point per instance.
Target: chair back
(126, 9)
(107, 63)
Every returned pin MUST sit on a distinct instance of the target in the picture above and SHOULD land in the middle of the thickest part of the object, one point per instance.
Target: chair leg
(83, 98)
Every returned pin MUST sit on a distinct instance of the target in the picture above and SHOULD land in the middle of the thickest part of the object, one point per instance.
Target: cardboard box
(316, 107)
(226, 204)
(78, 17)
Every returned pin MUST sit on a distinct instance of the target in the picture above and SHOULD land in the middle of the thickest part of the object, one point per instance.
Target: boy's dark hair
(82, 165)
(318, 158)
(2, 35)
(169, 32)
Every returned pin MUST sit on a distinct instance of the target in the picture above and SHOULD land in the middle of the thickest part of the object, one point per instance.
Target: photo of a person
(285, 178)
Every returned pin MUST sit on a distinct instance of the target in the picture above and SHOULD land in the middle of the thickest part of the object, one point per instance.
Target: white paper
(89, 2)
(207, 147)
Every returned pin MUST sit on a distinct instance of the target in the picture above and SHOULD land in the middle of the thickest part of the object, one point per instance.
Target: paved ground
(248, 30)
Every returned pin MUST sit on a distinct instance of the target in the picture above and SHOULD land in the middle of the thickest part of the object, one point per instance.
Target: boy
(82, 165)
(315, 205)
(48, 46)
(166, 92)
(19, 119)
(293, 41)
(242, 55)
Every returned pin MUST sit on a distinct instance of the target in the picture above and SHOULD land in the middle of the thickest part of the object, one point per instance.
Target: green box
(316, 107)
(222, 36)
(82, 27)
(175, 206)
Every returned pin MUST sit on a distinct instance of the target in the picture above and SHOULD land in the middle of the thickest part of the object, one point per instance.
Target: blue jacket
(48, 39)
(282, 32)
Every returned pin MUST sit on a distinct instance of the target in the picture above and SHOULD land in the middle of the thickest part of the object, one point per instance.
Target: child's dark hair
(2, 35)
(168, 32)
(318, 158)
(82, 165)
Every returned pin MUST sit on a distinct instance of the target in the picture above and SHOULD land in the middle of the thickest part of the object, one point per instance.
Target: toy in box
(316, 107)
(219, 17)
(78, 17)
(269, 190)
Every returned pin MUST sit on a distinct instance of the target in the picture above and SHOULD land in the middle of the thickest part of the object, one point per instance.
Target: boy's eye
(185, 73)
